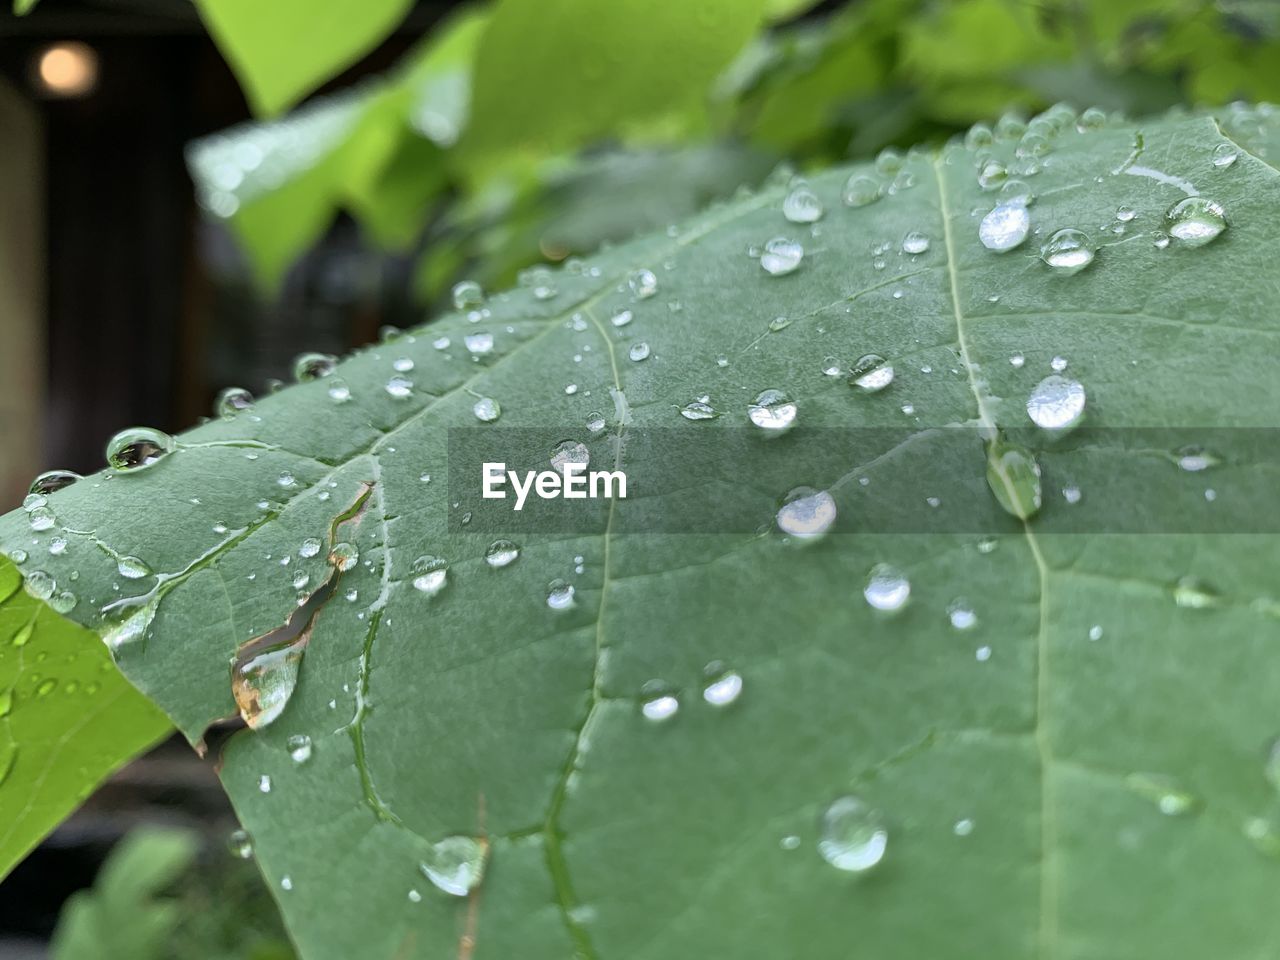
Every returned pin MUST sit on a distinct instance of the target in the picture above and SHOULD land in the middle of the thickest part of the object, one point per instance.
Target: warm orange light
(68, 69)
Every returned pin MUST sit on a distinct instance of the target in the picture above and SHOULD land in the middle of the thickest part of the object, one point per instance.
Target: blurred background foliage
(369, 154)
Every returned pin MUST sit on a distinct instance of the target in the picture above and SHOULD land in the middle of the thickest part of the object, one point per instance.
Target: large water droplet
(658, 704)
(456, 864)
(1004, 227)
(915, 242)
(853, 836)
(1014, 478)
(807, 513)
(887, 588)
(802, 206)
(263, 683)
(313, 366)
(723, 685)
(1056, 403)
(871, 373)
(138, 448)
(1068, 251)
(1196, 220)
(1224, 155)
(772, 411)
(131, 568)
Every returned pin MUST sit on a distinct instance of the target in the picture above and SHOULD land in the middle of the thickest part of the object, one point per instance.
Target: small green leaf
(284, 49)
(124, 914)
(67, 718)
(22, 7)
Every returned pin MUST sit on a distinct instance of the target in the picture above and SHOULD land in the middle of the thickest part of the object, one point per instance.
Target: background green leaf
(67, 718)
(284, 49)
(1077, 770)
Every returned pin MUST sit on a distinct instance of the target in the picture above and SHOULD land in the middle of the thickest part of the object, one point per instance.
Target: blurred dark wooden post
(22, 286)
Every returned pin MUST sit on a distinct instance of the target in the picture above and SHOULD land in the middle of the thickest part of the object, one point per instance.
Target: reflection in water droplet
(699, 409)
(313, 366)
(887, 588)
(1195, 221)
(131, 568)
(659, 706)
(852, 836)
(138, 448)
(723, 685)
(1013, 475)
(1068, 251)
(781, 256)
(310, 547)
(1005, 227)
(430, 575)
(501, 553)
(643, 284)
(802, 206)
(871, 373)
(860, 190)
(467, 295)
(486, 409)
(1056, 403)
(1224, 155)
(52, 481)
(1194, 459)
(807, 513)
(399, 387)
(231, 401)
(772, 411)
(478, 344)
(456, 864)
(239, 845)
(915, 242)
(263, 683)
(560, 595)
(639, 351)
(961, 615)
(344, 556)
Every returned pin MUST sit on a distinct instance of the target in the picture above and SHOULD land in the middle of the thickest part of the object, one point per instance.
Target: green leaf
(595, 70)
(282, 50)
(1065, 734)
(22, 7)
(123, 916)
(375, 150)
(67, 718)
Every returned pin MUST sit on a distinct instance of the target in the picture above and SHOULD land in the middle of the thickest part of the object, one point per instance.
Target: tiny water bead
(1005, 227)
(1192, 593)
(699, 409)
(1068, 251)
(486, 409)
(1194, 459)
(963, 827)
(501, 553)
(467, 295)
(239, 845)
(853, 836)
(231, 401)
(643, 284)
(1224, 155)
(773, 411)
(806, 514)
(781, 256)
(1170, 798)
(871, 373)
(430, 574)
(961, 615)
(860, 190)
(915, 242)
(560, 595)
(313, 366)
(831, 367)
(723, 685)
(51, 481)
(310, 547)
(621, 318)
(887, 588)
(338, 390)
(1196, 221)
(478, 344)
(1056, 403)
(802, 206)
(131, 568)
(138, 448)
(639, 351)
(456, 865)
(399, 387)
(658, 706)
(299, 747)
